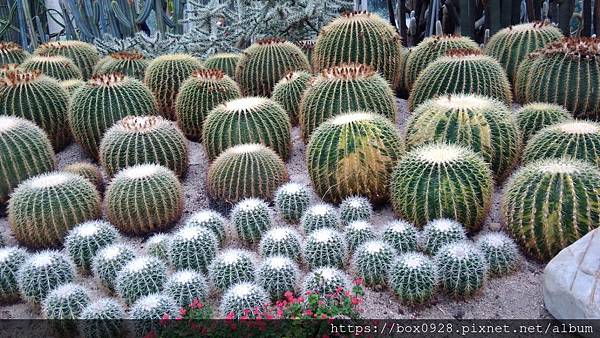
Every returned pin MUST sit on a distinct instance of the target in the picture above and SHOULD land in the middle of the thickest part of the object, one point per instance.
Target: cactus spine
(251, 218)
(83, 54)
(110, 260)
(185, 286)
(11, 260)
(11, 53)
(140, 277)
(500, 252)
(129, 63)
(42, 272)
(413, 277)
(288, 92)
(292, 200)
(225, 62)
(462, 269)
(83, 241)
(372, 261)
(193, 248)
(325, 247)
(534, 117)
(230, 267)
(57, 67)
(277, 275)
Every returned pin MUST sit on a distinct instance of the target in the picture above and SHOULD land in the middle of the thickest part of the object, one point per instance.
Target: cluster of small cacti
(277, 275)
(128, 62)
(83, 241)
(320, 216)
(57, 67)
(288, 92)
(140, 277)
(251, 218)
(292, 199)
(84, 55)
(192, 248)
(325, 247)
(185, 286)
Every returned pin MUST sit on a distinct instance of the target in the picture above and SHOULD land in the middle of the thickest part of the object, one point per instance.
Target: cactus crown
(271, 41)
(441, 153)
(8, 123)
(208, 74)
(306, 44)
(140, 124)
(528, 26)
(106, 80)
(244, 104)
(16, 77)
(577, 127)
(463, 53)
(355, 14)
(127, 55)
(53, 45)
(8, 67)
(9, 46)
(348, 71)
(49, 180)
(291, 76)
(587, 48)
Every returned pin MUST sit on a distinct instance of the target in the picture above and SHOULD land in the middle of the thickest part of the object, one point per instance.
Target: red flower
(358, 281)
(151, 334)
(308, 312)
(182, 312)
(354, 300)
(323, 316)
(230, 315)
(300, 299)
(308, 293)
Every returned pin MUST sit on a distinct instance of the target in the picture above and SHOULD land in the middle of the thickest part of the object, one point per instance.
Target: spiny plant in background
(326, 280)
(500, 252)
(549, 204)
(292, 199)
(66, 302)
(137, 140)
(11, 53)
(277, 275)
(144, 198)
(102, 318)
(378, 45)
(83, 241)
(372, 261)
(401, 235)
(320, 216)
(37, 98)
(211, 220)
(84, 55)
(57, 67)
(11, 260)
(288, 92)
(110, 260)
(567, 73)
(185, 286)
(225, 62)
(158, 245)
(26, 152)
(265, 62)
(461, 71)
(128, 62)
(251, 218)
(41, 272)
(511, 45)
(253, 169)
(357, 233)
(355, 208)
(164, 76)
(325, 247)
(572, 139)
(440, 232)
(231, 266)
(342, 89)
(43, 208)
(413, 278)
(193, 248)
(247, 120)
(111, 97)
(534, 117)
(462, 269)
(243, 296)
(307, 46)
(199, 94)
(354, 154)
(89, 171)
(281, 241)
(522, 77)
(140, 277)
(483, 124)
(70, 86)
(429, 50)
(442, 180)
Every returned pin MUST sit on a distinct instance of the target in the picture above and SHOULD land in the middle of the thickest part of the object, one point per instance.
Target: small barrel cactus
(251, 218)
(534, 117)
(355, 208)
(140, 277)
(198, 95)
(231, 266)
(440, 232)
(292, 199)
(288, 92)
(11, 53)
(401, 235)
(500, 252)
(149, 310)
(225, 62)
(102, 318)
(442, 180)
(522, 78)
(320, 216)
(413, 277)
(144, 198)
(242, 298)
(42, 272)
(185, 286)
(572, 139)
(66, 302)
(461, 72)
(193, 248)
(84, 240)
(211, 220)
(277, 275)
(281, 241)
(70, 86)
(246, 170)
(127, 62)
(144, 139)
(89, 171)
(247, 120)
(342, 89)
(84, 55)
(265, 62)
(112, 97)
(325, 247)
(549, 204)
(57, 67)
(26, 152)
(158, 246)
(11, 260)
(372, 261)
(357, 233)
(462, 268)
(43, 208)
(110, 260)
(326, 281)
(164, 76)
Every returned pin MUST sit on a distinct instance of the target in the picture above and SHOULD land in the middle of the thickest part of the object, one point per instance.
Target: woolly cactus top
(444, 225)
(189, 233)
(353, 117)
(278, 262)
(139, 263)
(232, 256)
(414, 260)
(495, 239)
(461, 101)
(373, 246)
(465, 53)
(400, 226)
(280, 233)
(250, 204)
(558, 166)
(106, 80)
(441, 153)
(320, 209)
(271, 41)
(184, 276)
(149, 302)
(348, 71)
(246, 148)
(157, 238)
(87, 229)
(244, 104)
(292, 187)
(577, 127)
(6, 252)
(8, 123)
(328, 273)
(141, 171)
(67, 290)
(127, 55)
(323, 235)
(44, 258)
(242, 290)
(140, 124)
(208, 74)
(16, 77)
(359, 225)
(49, 180)
(460, 250)
(588, 48)
(112, 251)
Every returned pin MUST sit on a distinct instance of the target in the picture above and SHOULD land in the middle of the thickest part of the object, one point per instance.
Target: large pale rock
(572, 280)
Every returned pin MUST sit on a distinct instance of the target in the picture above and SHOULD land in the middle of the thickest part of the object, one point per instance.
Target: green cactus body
(185, 286)
(39, 99)
(152, 307)
(164, 77)
(500, 252)
(144, 198)
(568, 73)
(511, 44)
(70, 86)
(401, 235)
(372, 261)
(307, 46)
(325, 247)
(89, 171)
(25, 152)
(521, 79)
(462, 269)
(357, 233)
(281, 241)
(140, 277)
(246, 170)
(11, 260)
(277, 275)
(320, 216)
(136, 140)
(292, 199)
(247, 120)
(413, 277)
(288, 92)
(326, 281)
(461, 72)
(102, 318)
(355, 208)
(230, 267)
(57, 67)
(251, 218)
(485, 125)
(42, 272)
(84, 55)
(548, 205)
(198, 95)
(360, 37)
(440, 232)
(534, 117)
(243, 296)
(158, 245)
(344, 89)
(108, 261)
(431, 49)
(226, 62)
(66, 302)
(83, 241)
(44, 208)
(101, 102)
(572, 139)
(442, 181)
(193, 248)
(11, 53)
(354, 154)
(265, 62)
(128, 63)
(211, 220)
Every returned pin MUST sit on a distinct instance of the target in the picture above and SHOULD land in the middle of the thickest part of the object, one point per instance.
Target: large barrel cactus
(360, 37)
(70, 86)
(223, 61)
(247, 120)
(127, 62)
(84, 55)
(548, 205)
(11, 53)
(265, 62)
(101, 102)
(58, 67)
(342, 89)
(534, 117)
(353, 154)
(288, 92)
(522, 76)
(442, 181)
